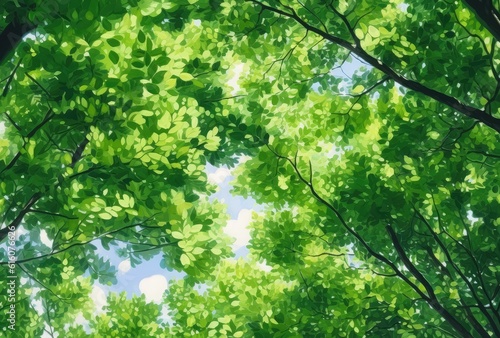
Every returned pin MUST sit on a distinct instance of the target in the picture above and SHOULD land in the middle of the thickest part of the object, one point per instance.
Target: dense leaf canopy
(367, 130)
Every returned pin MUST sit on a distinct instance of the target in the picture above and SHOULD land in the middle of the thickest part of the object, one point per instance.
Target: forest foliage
(367, 130)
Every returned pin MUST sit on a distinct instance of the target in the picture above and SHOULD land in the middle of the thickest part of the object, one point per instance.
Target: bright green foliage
(381, 186)
(119, 317)
(121, 147)
(263, 303)
(128, 317)
(108, 128)
(233, 309)
(357, 159)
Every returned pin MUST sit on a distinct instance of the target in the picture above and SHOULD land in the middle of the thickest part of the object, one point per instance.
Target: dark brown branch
(433, 301)
(28, 207)
(21, 261)
(309, 295)
(17, 221)
(459, 272)
(10, 78)
(44, 286)
(476, 264)
(436, 261)
(430, 298)
(11, 36)
(157, 246)
(85, 171)
(369, 89)
(38, 84)
(46, 119)
(408, 264)
(51, 214)
(481, 306)
(13, 122)
(450, 101)
(77, 155)
(472, 319)
(487, 14)
(349, 229)
(346, 23)
(316, 255)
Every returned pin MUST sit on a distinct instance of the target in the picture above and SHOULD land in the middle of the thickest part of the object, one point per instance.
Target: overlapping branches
(411, 268)
(356, 48)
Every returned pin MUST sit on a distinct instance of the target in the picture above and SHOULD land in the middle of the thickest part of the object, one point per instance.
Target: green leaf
(186, 77)
(113, 42)
(216, 66)
(141, 37)
(113, 56)
(158, 77)
(185, 260)
(152, 88)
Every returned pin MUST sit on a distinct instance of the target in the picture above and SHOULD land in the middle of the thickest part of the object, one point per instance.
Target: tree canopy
(367, 131)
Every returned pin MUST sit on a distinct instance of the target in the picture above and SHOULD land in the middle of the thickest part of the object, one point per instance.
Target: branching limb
(450, 101)
(430, 297)
(41, 284)
(309, 296)
(487, 14)
(51, 214)
(11, 36)
(10, 78)
(461, 274)
(78, 244)
(47, 118)
(346, 23)
(17, 221)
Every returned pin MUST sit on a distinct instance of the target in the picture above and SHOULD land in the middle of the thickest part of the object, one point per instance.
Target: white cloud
(80, 320)
(263, 266)
(38, 306)
(98, 296)
(153, 287)
(239, 229)
(45, 239)
(243, 158)
(219, 176)
(124, 266)
(20, 231)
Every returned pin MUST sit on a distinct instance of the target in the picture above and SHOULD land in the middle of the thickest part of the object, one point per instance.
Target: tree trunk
(11, 36)
(487, 14)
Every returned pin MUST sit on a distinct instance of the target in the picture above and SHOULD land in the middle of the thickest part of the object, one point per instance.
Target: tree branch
(10, 78)
(46, 119)
(450, 101)
(11, 36)
(17, 221)
(433, 301)
(487, 14)
(28, 207)
(461, 274)
(430, 298)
